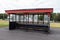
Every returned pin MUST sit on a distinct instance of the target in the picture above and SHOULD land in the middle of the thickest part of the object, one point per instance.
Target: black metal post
(28, 18)
(38, 19)
(33, 19)
(43, 18)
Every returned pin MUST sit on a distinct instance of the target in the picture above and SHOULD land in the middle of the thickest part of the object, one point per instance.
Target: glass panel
(41, 19)
(17, 18)
(26, 19)
(46, 19)
(21, 18)
(35, 19)
(30, 19)
(11, 17)
(14, 17)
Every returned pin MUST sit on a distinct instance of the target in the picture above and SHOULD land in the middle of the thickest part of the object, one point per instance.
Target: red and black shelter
(30, 18)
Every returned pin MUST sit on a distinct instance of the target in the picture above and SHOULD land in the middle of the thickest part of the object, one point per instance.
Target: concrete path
(5, 34)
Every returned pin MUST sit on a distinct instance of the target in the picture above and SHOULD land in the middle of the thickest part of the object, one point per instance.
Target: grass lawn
(56, 25)
(4, 23)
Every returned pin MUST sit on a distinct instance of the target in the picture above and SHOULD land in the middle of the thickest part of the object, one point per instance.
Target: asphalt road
(5, 34)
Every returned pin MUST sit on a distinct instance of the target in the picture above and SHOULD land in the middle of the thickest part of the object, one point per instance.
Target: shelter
(30, 18)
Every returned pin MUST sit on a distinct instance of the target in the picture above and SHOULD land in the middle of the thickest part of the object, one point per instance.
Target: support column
(43, 18)
(49, 19)
(28, 18)
(38, 19)
(48, 25)
(33, 19)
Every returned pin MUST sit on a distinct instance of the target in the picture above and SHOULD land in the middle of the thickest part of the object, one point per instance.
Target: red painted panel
(49, 10)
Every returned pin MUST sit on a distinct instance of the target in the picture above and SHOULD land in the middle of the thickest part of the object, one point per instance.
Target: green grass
(55, 25)
(4, 23)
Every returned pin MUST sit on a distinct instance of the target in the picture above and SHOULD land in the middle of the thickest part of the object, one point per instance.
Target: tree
(3, 16)
(41, 17)
(58, 17)
(53, 16)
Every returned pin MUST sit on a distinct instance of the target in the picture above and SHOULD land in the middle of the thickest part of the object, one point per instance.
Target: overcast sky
(27, 4)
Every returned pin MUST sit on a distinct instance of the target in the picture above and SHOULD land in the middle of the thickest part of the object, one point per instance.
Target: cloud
(25, 4)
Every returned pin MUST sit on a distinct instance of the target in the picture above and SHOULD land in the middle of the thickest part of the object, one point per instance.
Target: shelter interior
(37, 19)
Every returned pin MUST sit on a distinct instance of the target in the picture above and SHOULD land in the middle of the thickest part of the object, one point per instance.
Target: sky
(27, 4)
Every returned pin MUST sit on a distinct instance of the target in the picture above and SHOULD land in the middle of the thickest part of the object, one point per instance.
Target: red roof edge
(30, 10)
